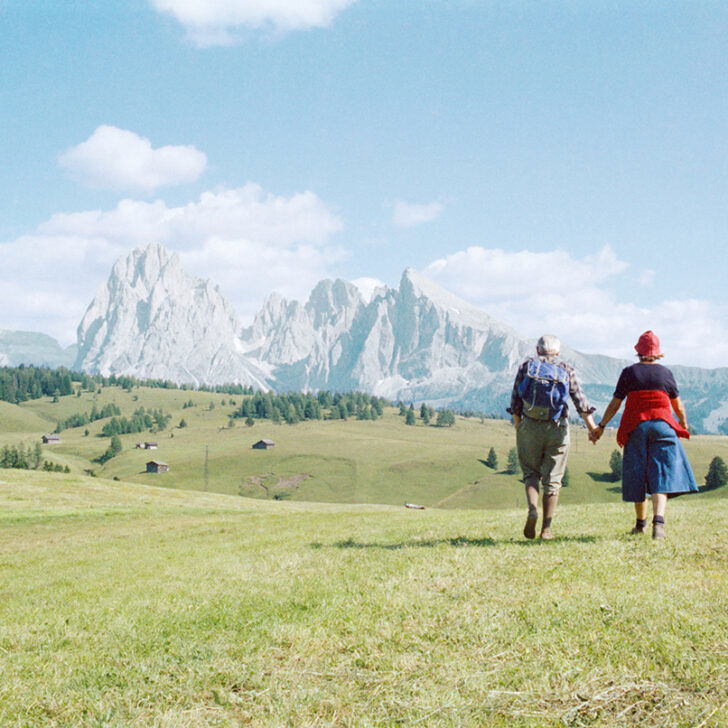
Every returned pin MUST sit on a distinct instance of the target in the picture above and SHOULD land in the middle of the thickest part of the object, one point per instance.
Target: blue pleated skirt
(655, 462)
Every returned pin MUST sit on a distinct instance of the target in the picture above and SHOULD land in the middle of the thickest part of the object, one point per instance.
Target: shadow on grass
(457, 542)
(602, 477)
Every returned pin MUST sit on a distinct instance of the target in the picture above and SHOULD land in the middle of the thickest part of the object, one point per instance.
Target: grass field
(333, 461)
(129, 605)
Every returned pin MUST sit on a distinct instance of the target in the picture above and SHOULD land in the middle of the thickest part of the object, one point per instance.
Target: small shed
(51, 439)
(263, 445)
(151, 446)
(155, 466)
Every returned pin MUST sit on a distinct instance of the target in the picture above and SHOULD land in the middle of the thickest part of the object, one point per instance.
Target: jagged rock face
(28, 347)
(152, 320)
(306, 344)
(416, 342)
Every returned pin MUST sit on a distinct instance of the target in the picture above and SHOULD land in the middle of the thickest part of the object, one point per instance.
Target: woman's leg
(659, 501)
(634, 477)
(640, 512)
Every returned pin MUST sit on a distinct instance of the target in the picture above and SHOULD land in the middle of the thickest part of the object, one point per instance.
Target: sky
(562, 165)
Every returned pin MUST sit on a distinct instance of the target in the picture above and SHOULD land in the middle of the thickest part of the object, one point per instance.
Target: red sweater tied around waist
(643, 405)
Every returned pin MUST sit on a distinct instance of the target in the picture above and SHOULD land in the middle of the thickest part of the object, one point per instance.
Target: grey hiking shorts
(543, 447)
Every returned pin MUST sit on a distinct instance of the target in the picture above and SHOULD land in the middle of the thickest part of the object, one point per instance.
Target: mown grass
(126, 605)
(346, 462)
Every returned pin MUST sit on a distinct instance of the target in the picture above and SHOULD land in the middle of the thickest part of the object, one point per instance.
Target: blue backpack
(544, 390)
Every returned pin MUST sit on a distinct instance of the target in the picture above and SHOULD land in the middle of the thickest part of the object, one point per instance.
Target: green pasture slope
(128, 605)
(325, 461)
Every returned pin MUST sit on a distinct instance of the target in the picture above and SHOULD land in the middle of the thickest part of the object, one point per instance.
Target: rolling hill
(350, 461)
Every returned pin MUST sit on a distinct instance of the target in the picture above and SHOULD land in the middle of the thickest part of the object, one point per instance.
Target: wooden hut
(263, 445)
(51, 439)
(155, 466)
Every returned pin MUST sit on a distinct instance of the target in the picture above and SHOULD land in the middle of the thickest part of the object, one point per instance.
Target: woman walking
(654, 460)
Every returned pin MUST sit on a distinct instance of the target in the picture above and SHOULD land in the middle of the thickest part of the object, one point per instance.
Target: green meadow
(298, 591)
(130, 605)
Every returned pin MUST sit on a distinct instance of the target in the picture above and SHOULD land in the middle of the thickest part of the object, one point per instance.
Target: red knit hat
(648, 345)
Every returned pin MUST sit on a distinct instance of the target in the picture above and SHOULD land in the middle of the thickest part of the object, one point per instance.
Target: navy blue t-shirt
(646, 376)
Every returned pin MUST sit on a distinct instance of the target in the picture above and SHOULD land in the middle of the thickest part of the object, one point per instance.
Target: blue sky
(563, 165)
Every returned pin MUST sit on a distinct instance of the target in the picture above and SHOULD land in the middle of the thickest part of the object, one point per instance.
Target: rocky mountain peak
(153, 320)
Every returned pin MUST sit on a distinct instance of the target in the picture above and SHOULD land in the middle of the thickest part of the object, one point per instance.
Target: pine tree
(717, 475)
(410, 416)
(492, 459)
(115, 445)
(512, 466)
(37, 455)
(615, 464)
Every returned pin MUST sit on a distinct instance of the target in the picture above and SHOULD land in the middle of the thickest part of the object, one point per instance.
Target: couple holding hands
(654, 462)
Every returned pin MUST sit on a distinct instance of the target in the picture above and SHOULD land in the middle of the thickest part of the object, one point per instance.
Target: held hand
(594, 434)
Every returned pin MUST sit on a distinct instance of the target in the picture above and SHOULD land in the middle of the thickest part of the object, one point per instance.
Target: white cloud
(120, 159)
(248, 241)
(647, 277)
(367, 287)
(408, 214)
(218, 22)
(573, 298)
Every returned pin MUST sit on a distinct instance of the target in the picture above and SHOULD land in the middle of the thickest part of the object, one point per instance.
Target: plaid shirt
(575, 391)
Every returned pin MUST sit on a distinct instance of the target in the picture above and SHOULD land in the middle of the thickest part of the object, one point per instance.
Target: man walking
(540, 410)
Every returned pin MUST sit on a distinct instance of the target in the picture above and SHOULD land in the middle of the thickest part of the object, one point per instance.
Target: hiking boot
(529, 530)
(658, 530)
(547, 535)
(638, 528)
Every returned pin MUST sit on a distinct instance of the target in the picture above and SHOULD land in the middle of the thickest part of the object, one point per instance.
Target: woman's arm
(612, 409)
(679, 410)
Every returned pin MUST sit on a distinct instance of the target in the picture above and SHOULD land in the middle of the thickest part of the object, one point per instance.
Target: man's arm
(516, 408)
(582, 403)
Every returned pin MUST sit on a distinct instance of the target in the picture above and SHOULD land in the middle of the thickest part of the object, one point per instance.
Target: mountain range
(417, 342)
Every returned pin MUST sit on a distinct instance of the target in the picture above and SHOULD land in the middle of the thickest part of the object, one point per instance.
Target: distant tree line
(443, 417)
(83, 418)
(141, 420)
(21, 457)
(18, 384)
(22, 383)
(295, 407)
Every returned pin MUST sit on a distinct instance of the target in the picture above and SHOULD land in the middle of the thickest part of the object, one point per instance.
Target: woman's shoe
(658, 530)
(529, 530)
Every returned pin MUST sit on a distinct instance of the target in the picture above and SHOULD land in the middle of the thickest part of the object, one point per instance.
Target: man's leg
(550, 501)
(554, 465)
(531, 481)
(530, 448)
